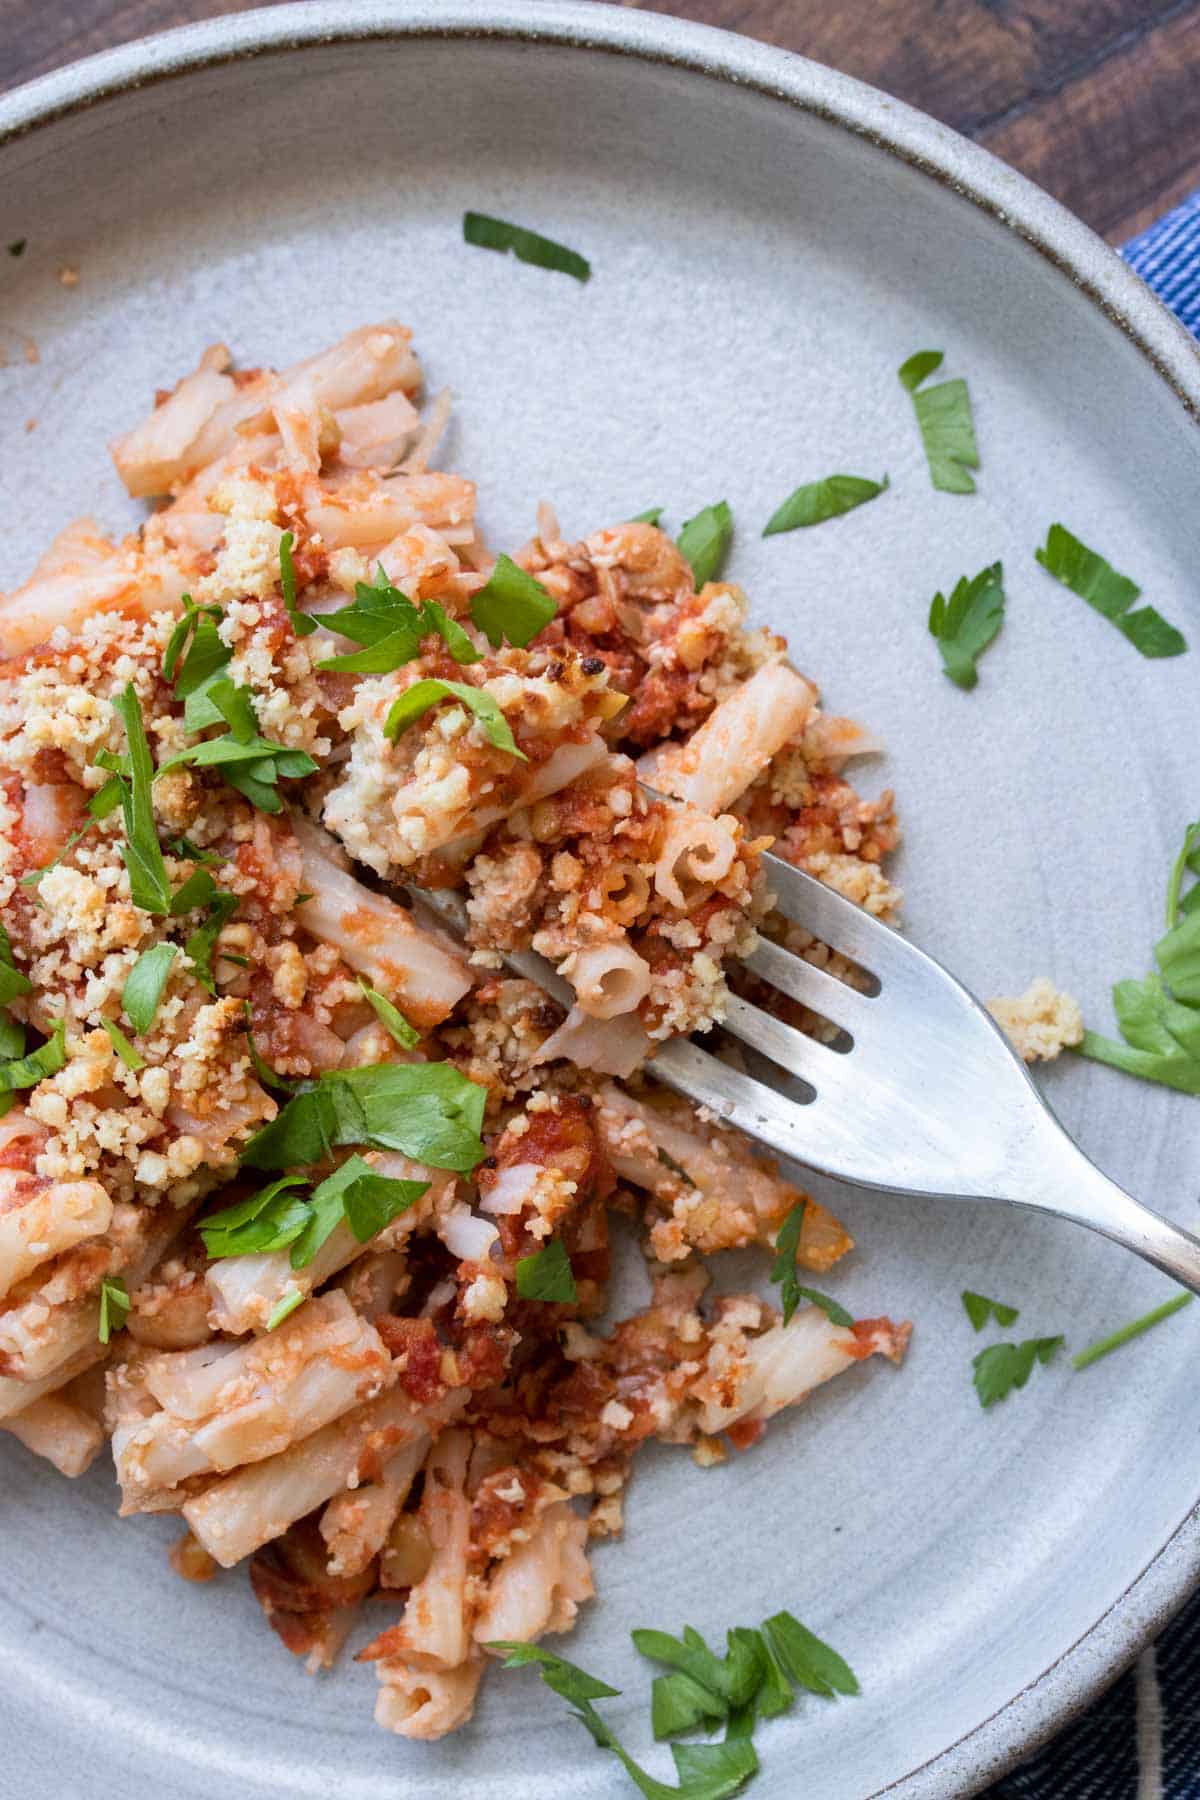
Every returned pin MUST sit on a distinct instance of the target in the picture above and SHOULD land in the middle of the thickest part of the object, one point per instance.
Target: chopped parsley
(965, 625)
(302, 625)
(141, 851)
(706, 1771)
(821, 500)
(1112, 595)
(1135, 1328)
(47, 1059)
(195, 649)
(285, 1307)
(651, 516)
(416, 701)
(945, 423)
(1159, 1017)
(248, 762)
(17, 247)
(13, 983)
(979, 1309)
(512, 605)
(389, 1016)
(200, 946)
(783, 1270)
(704, 542)
(266, 1074)
(1002, 1367)
(753, 1680)
(547, 1274)
(132, 1058)
(279, 1218)
(114, 1306)
(527, 246)
(390, 628)
(428, 1111)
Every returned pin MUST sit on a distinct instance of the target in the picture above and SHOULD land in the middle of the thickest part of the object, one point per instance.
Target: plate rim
(1064, 1689)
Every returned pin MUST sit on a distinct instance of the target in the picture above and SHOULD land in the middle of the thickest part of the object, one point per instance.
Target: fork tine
(813, 987)
(828, 915)
(793, 1051)
(789, 1128)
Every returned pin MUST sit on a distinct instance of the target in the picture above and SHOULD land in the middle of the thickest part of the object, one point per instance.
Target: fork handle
(1099, 1203)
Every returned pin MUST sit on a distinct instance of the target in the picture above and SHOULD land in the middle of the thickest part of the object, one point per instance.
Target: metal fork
(920, 1094)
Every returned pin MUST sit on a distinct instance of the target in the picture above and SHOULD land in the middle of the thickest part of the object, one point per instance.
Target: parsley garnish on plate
(828, 498)
(706, 1771)
(527, 246)
(26, 1071)
(965, 625)
(279, 1218)
(141, 851)
(512, 605)
(114, 1306)
(783, 1270)
(704, 542)
(389, 1016)
(390, 628)
(1159, 1017)
(133, 1059)
(425, 1110)
(547, 1274)
(302, 625)
(1135, 1328)
(651, 516)
(249, 762)
(202, 943)
(13, 982)
(1002, 1367)
(979, 1309)
(945, 423)
(415, 701)
(1112, 595)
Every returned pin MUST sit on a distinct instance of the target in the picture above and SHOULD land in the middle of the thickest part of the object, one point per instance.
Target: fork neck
(1078, 1190)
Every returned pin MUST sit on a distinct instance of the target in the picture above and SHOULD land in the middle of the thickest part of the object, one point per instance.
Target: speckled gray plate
(769, 241)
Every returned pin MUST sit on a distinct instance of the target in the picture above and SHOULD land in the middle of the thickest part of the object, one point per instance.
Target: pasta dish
(308, 1205)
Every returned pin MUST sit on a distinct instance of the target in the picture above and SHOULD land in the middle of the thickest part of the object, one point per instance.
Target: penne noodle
(355, 1525)
(735, 743)
(60, 1431)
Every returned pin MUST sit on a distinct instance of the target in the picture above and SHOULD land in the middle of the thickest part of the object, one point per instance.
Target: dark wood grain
(1098, 100)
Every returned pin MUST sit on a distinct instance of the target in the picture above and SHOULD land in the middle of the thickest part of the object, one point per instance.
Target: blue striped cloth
(1140, 1740)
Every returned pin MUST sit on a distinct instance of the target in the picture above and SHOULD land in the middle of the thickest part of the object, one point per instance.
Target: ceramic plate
(769, 242)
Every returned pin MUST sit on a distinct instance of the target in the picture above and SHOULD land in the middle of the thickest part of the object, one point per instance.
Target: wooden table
(1098, 100)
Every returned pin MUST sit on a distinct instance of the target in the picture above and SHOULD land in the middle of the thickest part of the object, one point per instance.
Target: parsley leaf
(141, 851)
(732, 1680)
(821, 500)
(12, 1045)
(1159, 1017)
(833, 1310)
(390, 628)
(199, 947)
(302, 625)
(806, 1659)
(248, 762)
(1112, 595)
(547, 1274)
(965, 624)
(679, 1703)
(783, 1269)
(979, 1310)
(706, 1771)
(195, 649)
(268, 1220)
(417, 700)
(704, 542)
(17, 247)
(389, 1016)
(945, 423)
(191, 895)
(121, 1044)
(12, 982)
(48, 1059)
(1135, 1328)
(651, 516)
(366, 1200)
(1002, 1367)
(527, 246)
(284, 1308)
(426, 1110)
(511, 605)
(114, 1306)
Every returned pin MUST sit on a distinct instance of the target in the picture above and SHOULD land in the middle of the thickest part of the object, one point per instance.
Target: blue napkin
(1140, 1740)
